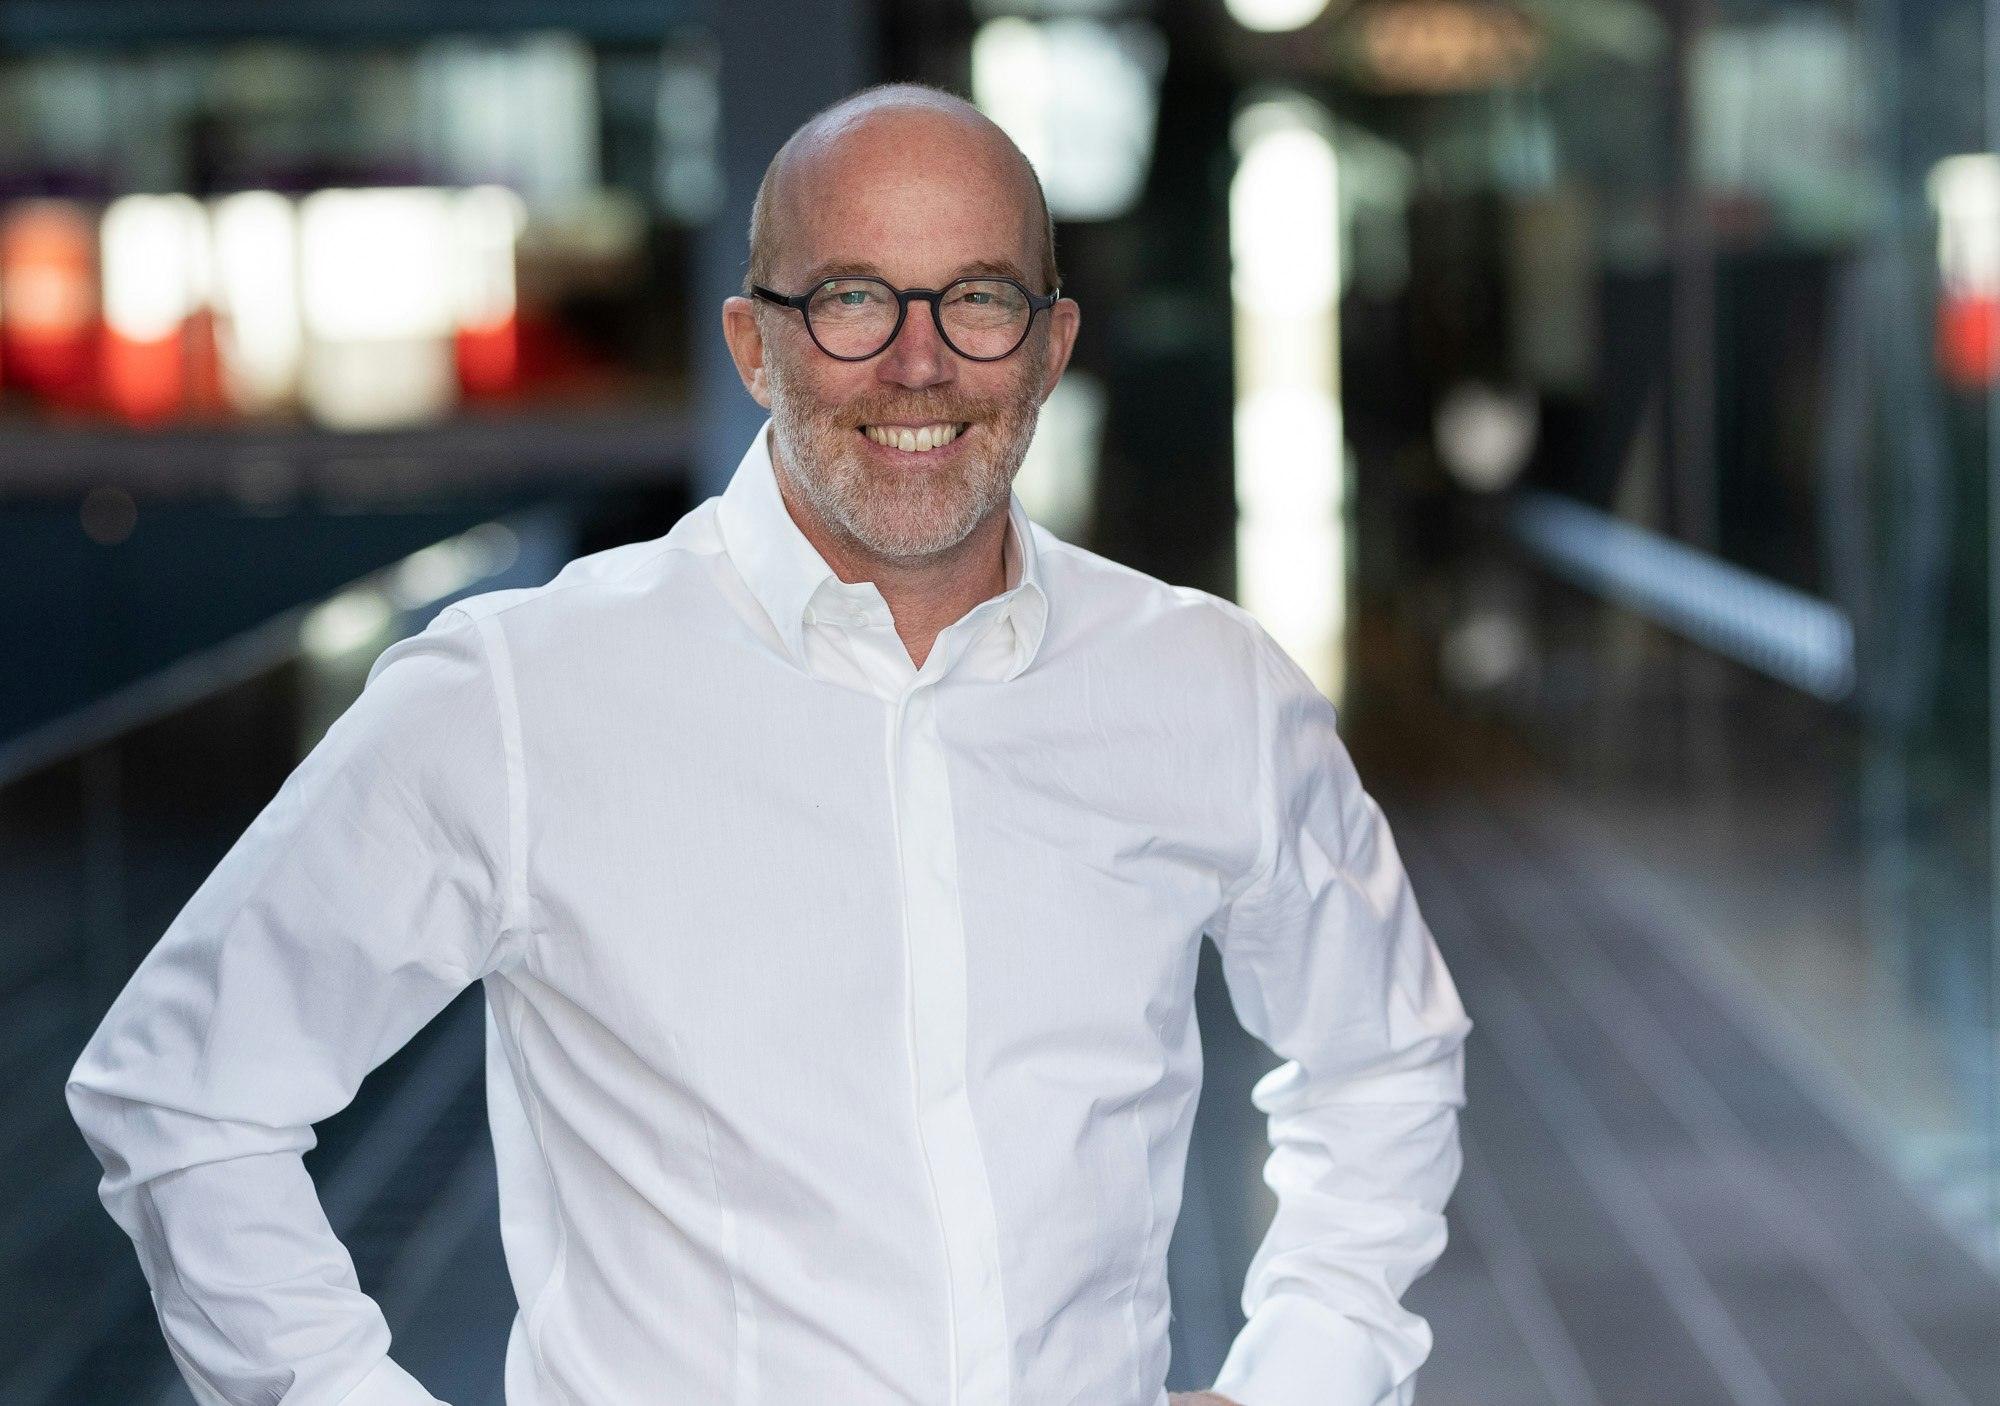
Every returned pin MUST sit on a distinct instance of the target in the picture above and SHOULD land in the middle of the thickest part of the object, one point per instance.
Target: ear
(746, 347)
(1064, 319)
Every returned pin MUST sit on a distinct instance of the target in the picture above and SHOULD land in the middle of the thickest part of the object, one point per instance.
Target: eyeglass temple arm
(799, 300)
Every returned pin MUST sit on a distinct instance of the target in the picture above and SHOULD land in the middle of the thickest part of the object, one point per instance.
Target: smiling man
(835, 867)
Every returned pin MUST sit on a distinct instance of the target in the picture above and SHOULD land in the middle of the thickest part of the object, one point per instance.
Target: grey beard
(904, 517)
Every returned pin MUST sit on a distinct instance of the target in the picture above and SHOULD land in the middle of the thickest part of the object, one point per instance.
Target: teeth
(918, 441)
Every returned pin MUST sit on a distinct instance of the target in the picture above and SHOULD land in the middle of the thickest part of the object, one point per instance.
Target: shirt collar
(784, 570)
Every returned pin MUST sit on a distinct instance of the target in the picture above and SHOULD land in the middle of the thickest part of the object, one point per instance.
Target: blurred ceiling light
(1275, 16)
(1965, 192)
(486, 225)
(1284, 240)
(256, 295)
(1057, 483)
(1485, 436)
(154, 250)
(1079, 97)
(1441, 46)
(48, 294)
(376, 274)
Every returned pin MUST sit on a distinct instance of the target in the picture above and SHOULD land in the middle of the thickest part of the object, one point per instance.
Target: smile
(919, 439)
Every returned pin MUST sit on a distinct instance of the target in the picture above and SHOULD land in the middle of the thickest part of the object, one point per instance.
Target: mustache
(938, 409)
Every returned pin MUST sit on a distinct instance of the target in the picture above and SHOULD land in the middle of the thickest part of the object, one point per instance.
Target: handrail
(236, 660)
(1775, 629)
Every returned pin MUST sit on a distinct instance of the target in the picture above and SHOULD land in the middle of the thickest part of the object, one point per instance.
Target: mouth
(914, 439)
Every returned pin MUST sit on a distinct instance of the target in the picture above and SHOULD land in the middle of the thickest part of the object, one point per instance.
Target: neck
(924, 594)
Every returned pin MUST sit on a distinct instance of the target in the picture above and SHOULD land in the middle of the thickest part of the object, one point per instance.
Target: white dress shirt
(841, 1048)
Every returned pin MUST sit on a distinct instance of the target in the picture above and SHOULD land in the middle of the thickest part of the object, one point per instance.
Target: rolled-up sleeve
(375, 886)
(1330, 964)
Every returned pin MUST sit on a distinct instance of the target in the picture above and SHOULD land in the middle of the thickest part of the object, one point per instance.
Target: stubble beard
(916, 513)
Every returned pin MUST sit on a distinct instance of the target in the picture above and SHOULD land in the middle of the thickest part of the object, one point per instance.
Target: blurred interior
(1597, 397)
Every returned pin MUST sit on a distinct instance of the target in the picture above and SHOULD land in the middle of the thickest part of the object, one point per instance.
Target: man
(835, 867)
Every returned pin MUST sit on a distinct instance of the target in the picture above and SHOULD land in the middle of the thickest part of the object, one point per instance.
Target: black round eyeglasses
(852, 319)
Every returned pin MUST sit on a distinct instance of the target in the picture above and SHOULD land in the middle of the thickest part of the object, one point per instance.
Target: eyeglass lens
(979, 317)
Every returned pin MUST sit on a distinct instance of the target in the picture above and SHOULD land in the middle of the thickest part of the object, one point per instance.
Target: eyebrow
(861, 268)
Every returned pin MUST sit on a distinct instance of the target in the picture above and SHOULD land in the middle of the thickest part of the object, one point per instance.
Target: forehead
(913, 194)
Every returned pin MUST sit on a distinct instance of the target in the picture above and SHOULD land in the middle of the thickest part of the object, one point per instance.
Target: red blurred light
(1968, 340)
(48, 289)
(489, 358)
(142, 380)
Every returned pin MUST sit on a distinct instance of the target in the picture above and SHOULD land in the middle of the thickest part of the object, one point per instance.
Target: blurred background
(1596, 396)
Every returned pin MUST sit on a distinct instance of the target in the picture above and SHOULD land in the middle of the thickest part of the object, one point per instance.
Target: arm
(1330, 964)
(373, 888)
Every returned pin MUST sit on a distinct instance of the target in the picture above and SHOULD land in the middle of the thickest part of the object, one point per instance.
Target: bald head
(896, 122)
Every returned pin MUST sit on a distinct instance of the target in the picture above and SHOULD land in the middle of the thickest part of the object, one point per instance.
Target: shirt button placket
(934, 937)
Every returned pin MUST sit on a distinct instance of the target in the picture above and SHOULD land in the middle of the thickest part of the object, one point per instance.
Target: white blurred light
(376, 263)
(376, 269)
(1485, 435)
(1966, 193)
(485, 223)
(1079, 97)
(348, 622)
(257, 298)
(1291, 559)
(1284, 238)
(1057, 483)
(154, 264)
(1483, 651)
(1291, 545)
(1275, 16)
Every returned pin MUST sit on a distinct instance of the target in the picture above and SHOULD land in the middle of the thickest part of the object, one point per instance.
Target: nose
(918, 357)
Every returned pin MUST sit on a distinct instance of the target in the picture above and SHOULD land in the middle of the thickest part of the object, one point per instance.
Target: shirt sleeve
(372, 889)
(1330, 964)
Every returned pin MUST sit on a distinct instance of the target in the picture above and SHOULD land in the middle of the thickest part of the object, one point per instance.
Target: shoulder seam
(500, 672)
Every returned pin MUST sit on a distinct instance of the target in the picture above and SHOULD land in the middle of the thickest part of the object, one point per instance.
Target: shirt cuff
(388, 1385)
(1296, 1351)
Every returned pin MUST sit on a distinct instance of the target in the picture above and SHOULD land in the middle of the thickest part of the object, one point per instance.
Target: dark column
(777, 70)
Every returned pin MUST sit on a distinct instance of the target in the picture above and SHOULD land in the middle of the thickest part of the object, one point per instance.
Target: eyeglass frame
(1037, 303)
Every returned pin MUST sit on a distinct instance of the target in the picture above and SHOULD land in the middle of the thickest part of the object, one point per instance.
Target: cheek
(825, 387)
